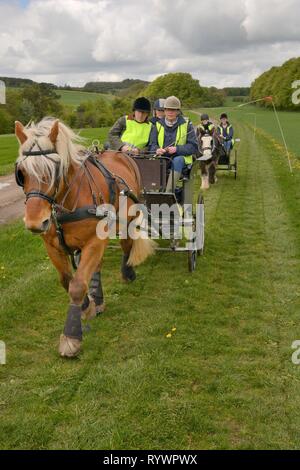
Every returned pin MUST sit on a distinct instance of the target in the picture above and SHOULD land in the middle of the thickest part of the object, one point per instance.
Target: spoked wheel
(200, 224)
(235, 166)
(192, 260)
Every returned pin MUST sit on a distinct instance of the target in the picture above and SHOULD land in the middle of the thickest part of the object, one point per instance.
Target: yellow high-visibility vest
(136, 133)
(221, 129)
(181, 138)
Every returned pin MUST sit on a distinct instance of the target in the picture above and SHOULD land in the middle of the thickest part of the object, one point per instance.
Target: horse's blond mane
(69, 149)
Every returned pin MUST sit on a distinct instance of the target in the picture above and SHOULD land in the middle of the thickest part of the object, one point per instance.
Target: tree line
(277, 82)
(27, 100)
(39, 100)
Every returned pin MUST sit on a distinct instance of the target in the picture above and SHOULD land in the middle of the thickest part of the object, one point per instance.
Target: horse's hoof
(100, 309)
(68, 347)
(90, 312)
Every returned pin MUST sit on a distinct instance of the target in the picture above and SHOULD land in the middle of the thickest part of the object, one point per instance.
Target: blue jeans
(178, 164)
(227, 145)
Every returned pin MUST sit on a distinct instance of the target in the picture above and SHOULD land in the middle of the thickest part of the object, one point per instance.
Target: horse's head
(46, 151)
(207, 145)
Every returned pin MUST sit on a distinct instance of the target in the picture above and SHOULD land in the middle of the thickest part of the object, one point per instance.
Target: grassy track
(223, 380)
(9, 146)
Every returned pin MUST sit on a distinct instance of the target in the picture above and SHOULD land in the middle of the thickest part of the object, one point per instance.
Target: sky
(220, 42)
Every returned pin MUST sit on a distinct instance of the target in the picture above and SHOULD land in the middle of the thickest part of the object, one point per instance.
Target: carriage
(214, 157)
(177, 216)
(228, 160)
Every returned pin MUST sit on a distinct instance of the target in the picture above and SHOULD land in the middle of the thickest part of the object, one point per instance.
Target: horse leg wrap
(73, 324)
(95, 290)
(128, 272)
(86, 303)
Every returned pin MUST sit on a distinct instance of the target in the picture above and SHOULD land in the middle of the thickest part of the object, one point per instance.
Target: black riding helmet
(142, 104)
(223, 116)
(204, 117)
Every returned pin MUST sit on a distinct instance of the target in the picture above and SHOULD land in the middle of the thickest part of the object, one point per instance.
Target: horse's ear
(20, 134)
(54, 132)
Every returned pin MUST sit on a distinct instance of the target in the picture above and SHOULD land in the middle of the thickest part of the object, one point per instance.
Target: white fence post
(2, 353)
(2, 92)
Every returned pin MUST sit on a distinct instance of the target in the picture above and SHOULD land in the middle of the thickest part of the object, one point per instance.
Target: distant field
(8, 153)
(74, 98)
(9, 146)
(266, 120)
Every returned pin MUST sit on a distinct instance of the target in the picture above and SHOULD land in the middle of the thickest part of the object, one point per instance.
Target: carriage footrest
(160, 198)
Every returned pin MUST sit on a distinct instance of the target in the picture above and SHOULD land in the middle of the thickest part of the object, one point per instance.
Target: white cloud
(74, 41)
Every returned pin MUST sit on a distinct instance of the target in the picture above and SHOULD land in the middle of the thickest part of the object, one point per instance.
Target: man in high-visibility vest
(225, 133)
(132, 133)
(174, 137)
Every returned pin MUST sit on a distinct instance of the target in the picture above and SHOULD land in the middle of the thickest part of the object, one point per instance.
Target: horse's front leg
(91, 255)
(93, 303)
(62, 264)
(204, 175)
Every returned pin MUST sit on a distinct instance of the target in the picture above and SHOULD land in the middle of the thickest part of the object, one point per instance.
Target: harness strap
(40, 195)
(86, 212)
(109, 177)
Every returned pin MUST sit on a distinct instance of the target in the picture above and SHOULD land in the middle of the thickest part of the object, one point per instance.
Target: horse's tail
(140, 251)
(142, 248)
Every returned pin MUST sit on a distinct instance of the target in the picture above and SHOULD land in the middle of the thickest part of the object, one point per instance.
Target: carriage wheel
(235, 165)
(192, 260)
(200, 228)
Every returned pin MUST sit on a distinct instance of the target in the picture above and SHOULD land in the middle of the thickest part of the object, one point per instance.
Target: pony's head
(46, 152)
(207, 145)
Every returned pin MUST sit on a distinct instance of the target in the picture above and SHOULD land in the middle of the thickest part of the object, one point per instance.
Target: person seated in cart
(158, 110)
(225, 133)
(206, 127)
(132, 133)
(174, 137)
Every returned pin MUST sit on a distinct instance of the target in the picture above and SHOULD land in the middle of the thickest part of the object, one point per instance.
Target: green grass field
(224, 380)
(74, 98)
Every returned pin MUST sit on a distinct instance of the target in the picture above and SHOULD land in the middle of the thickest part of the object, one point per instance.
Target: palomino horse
(209, 160)
(64, 186)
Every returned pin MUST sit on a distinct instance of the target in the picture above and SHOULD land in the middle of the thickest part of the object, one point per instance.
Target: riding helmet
(172, 103)
(159, 104)
(204, 117)
(142, 104)
(223, 116)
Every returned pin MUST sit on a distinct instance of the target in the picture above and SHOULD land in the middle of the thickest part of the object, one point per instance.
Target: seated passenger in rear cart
(225, 133)
(174, 137)
(132, 133)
